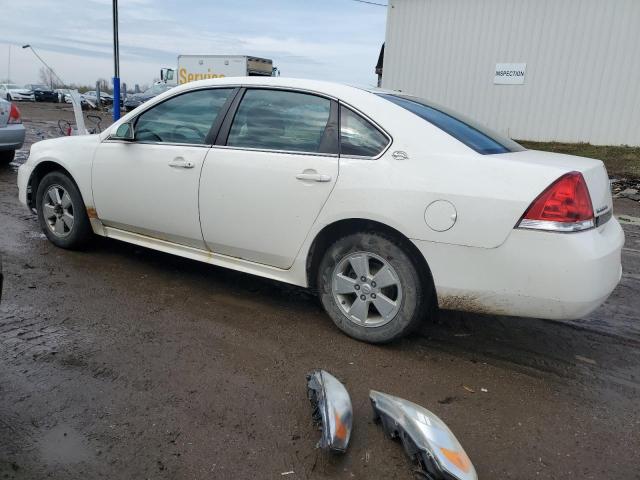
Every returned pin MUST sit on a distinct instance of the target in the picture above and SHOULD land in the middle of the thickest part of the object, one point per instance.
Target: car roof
(334, 89)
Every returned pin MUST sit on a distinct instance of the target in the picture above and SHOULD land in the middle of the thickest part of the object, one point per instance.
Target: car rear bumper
(533, 274)
(12, 136)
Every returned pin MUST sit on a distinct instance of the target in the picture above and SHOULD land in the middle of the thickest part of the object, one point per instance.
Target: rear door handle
(180, 162)
(314, 177)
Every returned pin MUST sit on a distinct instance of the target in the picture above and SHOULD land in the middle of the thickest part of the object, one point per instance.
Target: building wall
(582, 58)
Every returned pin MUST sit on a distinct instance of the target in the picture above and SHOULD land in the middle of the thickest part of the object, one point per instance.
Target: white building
(563, 70)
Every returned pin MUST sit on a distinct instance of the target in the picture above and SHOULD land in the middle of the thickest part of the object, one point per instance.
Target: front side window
(186, 118)
(358, 137)
(472, 134)
(280, 120)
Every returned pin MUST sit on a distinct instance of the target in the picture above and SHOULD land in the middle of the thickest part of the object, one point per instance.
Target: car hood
(44, 147)
(23, 91)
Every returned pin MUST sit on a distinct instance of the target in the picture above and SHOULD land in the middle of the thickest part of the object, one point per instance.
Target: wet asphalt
(122, 362)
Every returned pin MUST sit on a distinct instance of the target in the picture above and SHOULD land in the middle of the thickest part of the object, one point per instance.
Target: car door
(150, 185)
(273, 167)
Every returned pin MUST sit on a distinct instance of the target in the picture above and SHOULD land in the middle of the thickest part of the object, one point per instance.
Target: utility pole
(51, 72)
(9, 66)
(116, 64)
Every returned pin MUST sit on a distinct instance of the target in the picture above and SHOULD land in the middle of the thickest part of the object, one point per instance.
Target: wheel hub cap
(57, 210)
(367, 289)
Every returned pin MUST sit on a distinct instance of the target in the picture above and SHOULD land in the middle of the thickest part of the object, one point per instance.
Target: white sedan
(12, 92)
(385, 204)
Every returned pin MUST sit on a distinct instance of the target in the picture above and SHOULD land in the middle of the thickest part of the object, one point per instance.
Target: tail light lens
(14, 115)
(565, 206)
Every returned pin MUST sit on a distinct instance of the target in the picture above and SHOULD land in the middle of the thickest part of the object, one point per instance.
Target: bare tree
(47, 77)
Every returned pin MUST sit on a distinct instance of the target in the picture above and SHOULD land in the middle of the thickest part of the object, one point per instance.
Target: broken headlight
(331, 410)
(424, 437)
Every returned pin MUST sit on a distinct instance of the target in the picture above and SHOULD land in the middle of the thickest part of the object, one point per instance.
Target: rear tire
(7, 156)
(62, 213)
(371, 288)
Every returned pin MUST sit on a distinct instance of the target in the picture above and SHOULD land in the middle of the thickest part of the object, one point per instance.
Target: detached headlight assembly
(425, 437)
(331, 410)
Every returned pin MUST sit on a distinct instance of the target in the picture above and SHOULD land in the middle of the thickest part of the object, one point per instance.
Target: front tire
(62, 213)
(371, 288)
(9, 97)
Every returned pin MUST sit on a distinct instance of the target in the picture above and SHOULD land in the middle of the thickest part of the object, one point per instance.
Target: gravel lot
(121, 362)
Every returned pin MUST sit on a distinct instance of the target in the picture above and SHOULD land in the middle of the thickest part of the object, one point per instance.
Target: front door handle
(180, 162)
(313, 177)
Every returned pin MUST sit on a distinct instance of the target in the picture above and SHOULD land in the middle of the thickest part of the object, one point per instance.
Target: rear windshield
(473, 135)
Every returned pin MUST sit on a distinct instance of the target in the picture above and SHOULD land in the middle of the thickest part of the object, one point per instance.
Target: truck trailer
(200, 67)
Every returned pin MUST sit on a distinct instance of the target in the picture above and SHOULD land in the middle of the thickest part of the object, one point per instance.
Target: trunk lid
(593, 171)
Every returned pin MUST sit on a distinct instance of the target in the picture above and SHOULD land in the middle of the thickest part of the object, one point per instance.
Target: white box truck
(200, 67)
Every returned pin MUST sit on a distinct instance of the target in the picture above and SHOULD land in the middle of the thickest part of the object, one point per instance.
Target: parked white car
(12, 92)
(383, 203)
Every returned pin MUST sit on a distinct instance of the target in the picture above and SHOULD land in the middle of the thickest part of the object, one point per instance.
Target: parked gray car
(11, 131)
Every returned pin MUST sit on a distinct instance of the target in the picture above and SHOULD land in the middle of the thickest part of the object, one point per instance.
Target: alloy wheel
(367, 289)
(57, 210)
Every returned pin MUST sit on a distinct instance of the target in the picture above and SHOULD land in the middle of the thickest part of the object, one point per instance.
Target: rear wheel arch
(341, 228)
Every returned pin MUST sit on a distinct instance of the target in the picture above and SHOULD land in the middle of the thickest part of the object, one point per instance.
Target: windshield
(12, 86)
(36, 87)
(473, 135)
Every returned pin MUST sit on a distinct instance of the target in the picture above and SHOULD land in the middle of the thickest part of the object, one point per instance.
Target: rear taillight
(565, 206)
(14, 115)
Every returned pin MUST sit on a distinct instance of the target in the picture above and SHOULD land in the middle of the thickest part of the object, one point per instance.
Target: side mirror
(124, 132)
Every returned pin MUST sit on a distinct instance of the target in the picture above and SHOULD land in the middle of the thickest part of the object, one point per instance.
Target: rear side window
(473, 135)
(186, 118)
(358, 137)
(280, 120)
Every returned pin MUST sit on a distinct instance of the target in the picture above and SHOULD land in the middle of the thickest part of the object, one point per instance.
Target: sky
(336, 40)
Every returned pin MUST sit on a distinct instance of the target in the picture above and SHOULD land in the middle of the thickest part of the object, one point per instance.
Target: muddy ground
(121, 362)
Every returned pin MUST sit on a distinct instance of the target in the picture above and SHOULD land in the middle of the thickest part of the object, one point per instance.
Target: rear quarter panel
(489, 196)
(490, 192)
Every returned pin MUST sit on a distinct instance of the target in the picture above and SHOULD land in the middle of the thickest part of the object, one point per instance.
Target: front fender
(73, 154)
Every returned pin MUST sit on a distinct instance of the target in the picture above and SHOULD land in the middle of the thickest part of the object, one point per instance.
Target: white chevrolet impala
(385, 204)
